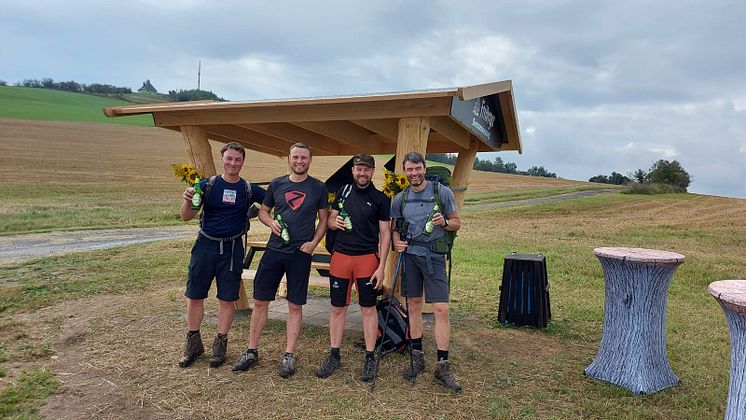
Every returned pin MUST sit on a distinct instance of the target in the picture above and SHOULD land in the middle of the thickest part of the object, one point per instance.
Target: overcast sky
(600, 86)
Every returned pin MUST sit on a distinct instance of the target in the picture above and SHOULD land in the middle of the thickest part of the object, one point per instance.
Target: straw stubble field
(109, 324)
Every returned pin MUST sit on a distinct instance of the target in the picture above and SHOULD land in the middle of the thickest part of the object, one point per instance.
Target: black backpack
(332, 234)
(397, 334)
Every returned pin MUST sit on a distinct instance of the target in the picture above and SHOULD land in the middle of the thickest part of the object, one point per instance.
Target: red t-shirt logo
(295, 199)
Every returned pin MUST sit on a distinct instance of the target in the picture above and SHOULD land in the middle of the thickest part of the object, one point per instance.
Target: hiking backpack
(331, 234)
(441, 245)
(397, 333)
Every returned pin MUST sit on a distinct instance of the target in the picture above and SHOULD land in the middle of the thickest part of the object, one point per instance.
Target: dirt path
(25, 247)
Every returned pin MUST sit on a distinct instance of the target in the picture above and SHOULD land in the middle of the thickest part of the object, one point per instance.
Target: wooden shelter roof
(345, 125)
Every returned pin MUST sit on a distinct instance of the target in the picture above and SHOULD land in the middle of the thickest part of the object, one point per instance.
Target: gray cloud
(600, 86)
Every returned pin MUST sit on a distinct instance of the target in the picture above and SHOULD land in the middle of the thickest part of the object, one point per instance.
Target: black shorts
(274, 264)
(207, 263)
(417, 272)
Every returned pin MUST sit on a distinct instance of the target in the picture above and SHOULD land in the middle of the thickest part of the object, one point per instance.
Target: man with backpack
(296, 199)
(359, 218)
(218, 251)
(426, 211)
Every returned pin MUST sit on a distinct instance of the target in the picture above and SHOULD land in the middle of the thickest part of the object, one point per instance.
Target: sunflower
(186, 173)
(393, 184)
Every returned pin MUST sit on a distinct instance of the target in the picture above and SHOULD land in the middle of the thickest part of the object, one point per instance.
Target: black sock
(369, 354)
(335, 352)
(417, 344)
(222, 335)
(442, 355)
(193, 332)
(255, 351)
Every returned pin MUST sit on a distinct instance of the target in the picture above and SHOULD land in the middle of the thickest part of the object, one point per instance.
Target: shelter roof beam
(293, 134)
(345, 132)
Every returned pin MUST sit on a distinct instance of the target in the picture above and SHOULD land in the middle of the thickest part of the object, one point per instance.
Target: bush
(650, 189)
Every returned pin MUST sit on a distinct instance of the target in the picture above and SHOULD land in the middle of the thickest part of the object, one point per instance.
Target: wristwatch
(446, 220)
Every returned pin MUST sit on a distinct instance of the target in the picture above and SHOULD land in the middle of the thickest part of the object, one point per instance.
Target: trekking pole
(386, 324)
(408, 238)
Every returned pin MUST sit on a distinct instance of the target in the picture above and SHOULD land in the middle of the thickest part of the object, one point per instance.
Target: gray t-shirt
(416, 210)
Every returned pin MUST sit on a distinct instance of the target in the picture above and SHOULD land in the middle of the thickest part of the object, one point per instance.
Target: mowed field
(98, 334)
(61, 175)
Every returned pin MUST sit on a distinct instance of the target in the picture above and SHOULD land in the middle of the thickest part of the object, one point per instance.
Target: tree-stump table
(632, 353)
(731, 294)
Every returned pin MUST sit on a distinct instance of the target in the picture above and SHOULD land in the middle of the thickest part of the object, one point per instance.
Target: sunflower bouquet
(189, 175)
(393, 183)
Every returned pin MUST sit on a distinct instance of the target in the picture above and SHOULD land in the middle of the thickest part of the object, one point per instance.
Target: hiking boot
(287, 365)
(369, 370)
(417, 365)
(445, 377)
(219, 348)
(192, 349)
(248, 359)
(330, 365)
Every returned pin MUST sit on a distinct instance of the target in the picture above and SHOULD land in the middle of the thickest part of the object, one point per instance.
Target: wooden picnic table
(259, 246)
(731, 294)
(632, 353)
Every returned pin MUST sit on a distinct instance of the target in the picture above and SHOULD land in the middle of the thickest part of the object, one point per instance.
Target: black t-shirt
(366, 208)
(298, 204)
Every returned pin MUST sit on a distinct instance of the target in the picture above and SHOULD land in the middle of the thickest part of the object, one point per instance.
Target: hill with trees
(663, 177)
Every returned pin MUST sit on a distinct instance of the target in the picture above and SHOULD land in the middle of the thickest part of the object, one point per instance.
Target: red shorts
(358, 269)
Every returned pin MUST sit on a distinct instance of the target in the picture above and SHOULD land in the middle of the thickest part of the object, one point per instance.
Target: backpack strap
(208, 189)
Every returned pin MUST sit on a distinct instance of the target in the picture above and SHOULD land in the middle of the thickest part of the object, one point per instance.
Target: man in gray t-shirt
(426, 222)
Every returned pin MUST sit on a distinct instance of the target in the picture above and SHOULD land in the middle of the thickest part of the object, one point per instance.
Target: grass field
(102, 330)
(55, 105)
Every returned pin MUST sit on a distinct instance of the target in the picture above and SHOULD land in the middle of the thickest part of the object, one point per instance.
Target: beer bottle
(197, 197)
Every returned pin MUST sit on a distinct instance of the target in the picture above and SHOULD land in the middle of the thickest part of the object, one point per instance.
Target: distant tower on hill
(147, 87)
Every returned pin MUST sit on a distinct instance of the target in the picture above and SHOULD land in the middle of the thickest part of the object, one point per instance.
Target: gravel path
(25, 247)
(35, 245)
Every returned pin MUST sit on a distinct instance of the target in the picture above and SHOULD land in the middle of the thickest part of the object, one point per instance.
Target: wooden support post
(198, 150)
(412, 137)
(462, 171)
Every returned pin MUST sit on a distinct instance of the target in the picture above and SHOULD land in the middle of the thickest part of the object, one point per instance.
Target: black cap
(363, 159)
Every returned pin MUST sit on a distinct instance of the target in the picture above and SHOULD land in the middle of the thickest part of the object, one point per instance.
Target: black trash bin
(524, 292)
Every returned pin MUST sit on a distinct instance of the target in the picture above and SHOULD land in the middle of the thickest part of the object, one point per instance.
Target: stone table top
(731, 293)
(640, 255)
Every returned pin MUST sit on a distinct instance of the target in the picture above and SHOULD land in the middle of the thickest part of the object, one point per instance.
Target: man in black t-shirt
(218, 251)
(359, 220)
(296, 199)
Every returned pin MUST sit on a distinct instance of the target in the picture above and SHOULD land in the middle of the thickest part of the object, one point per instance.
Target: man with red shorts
(357, 260)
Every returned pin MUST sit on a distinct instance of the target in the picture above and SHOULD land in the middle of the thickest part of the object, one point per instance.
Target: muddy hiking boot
(219, 348)
(287, 365)
(248, 359)
(369, 370)
(444, 376)
(330, 365)
(417, 365)
(192, 349)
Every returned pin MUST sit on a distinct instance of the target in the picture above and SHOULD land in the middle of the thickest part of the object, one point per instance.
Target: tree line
(496, 165)
(661, 173)
(106, 89)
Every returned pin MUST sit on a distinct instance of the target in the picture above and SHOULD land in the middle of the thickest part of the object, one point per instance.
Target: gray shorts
(416, 271)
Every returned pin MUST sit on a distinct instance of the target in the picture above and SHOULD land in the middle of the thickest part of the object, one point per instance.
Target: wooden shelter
(463, 120)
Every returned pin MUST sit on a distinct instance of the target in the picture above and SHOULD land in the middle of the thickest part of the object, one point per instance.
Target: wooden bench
(248, 275)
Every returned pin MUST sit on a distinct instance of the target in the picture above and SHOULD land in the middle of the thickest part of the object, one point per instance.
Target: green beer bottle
(428, 229)
(345, 216)
(197, 197)
(284, 233)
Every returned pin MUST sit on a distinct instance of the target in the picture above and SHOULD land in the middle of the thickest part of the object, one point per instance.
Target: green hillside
(55, 105)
